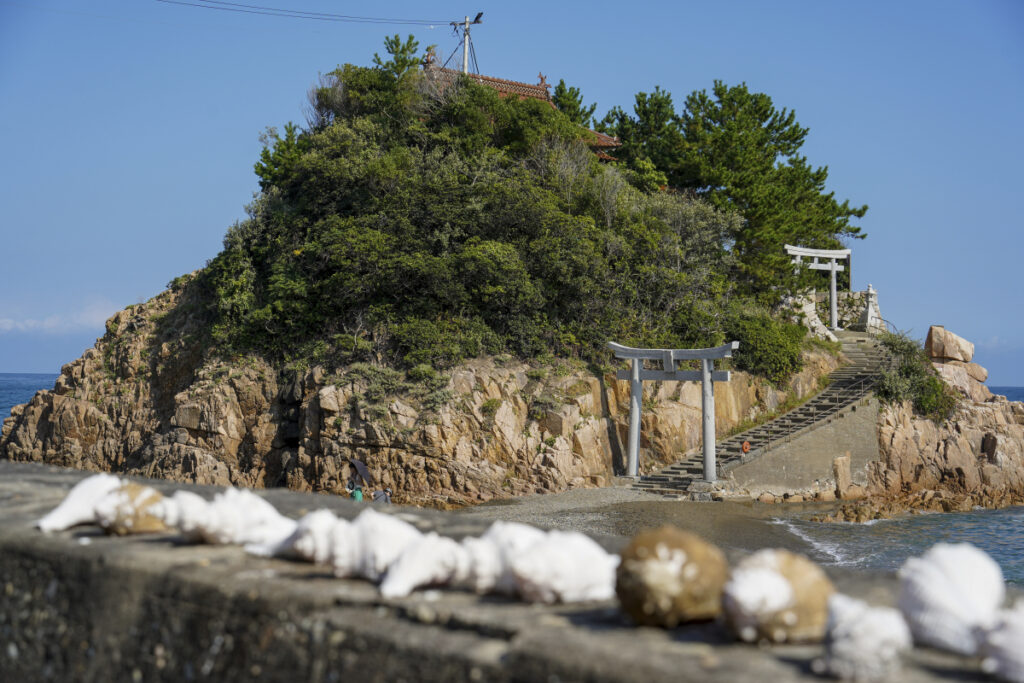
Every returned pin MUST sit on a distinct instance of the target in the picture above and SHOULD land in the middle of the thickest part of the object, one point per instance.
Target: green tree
(279, 155)
(652, 132)
(741, 153)
(569, 101)
(404, 57)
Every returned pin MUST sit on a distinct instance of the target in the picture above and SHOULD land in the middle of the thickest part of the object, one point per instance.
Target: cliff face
(977, 456)
(152, 398)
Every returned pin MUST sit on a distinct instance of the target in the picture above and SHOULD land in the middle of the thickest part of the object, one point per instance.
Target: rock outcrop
(974, 459)
(951, 355)
(153, 398)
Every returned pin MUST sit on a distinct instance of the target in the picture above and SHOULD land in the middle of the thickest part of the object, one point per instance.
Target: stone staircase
(848, 384)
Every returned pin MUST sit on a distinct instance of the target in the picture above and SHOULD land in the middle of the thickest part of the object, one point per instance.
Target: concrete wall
(806, 461)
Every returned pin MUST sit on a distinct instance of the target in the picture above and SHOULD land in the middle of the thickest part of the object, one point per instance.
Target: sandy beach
(620, 513)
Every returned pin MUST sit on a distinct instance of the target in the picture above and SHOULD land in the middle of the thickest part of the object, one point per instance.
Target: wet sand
(736, 527)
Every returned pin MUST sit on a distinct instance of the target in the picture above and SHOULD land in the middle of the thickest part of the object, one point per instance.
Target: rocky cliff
(153, 398)
(973, 459)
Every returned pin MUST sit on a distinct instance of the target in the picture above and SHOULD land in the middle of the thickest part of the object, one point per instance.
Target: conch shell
(509, 558)
(79, 506)
(950, 595)
(565, 566)
(367, 546)
(777, 596)
(862, 643)
(130, 509)
(1003, 645)
(669, 576)
(233, 517)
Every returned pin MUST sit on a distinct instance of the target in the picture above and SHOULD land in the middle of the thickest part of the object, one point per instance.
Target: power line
(301, 14)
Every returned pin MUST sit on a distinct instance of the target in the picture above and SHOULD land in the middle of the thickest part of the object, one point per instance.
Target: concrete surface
(79, 606)
(805, 462)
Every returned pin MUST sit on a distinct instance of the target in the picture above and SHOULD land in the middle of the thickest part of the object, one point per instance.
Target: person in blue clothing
(357, 492)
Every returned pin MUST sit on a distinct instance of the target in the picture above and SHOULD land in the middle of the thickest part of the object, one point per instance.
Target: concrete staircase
(849, 384)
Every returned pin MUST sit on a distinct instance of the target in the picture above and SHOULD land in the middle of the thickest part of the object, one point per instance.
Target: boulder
(973, 370)
(941, 343)
(957, 377)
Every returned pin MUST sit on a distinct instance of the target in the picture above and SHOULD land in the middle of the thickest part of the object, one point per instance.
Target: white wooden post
(668, 357)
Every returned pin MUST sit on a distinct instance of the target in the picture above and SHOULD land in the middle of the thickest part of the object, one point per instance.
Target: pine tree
(569, 101)
(742, 153)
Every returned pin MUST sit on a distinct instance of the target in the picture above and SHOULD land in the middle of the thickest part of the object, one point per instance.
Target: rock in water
(1003, 645)
(565, 567)
(78, 507)
(862, 643)
(777, 596)
(950, 595)
(130, 509)
(669, 576)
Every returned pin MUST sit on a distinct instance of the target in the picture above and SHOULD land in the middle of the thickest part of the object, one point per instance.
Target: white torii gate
(831, 254)
(668, 357)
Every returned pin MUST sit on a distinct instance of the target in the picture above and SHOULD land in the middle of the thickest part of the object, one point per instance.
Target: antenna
(465, 38)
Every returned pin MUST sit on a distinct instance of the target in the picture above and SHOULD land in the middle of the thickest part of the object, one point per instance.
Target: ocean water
(1012, 393)
(886, 543)
(19, 387)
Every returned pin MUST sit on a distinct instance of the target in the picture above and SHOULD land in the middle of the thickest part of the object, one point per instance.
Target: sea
(879, 545)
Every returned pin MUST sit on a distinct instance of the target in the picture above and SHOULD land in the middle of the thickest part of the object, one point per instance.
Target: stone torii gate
(831, 254)
(668, 357)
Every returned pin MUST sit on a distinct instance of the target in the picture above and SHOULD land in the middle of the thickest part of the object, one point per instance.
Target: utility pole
(465, 40)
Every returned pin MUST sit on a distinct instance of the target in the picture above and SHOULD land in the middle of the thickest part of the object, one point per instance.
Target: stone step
(847, 386)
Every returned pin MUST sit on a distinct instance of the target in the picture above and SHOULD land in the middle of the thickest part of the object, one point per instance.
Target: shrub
(911, 377)
(490, 407)
(768, 347)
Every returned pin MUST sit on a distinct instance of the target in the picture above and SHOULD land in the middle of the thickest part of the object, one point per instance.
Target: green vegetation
(912, 378)
(735, 149)
(415, 223)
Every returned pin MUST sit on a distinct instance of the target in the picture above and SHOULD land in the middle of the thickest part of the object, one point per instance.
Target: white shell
(491, 555)
(1003, 645)
(565, 567)
(233, 517)
(863, 643)
(369, 545)
(777, 596)
(755, 592)
(78, 507)
(432, 560)
(311, 540)
(950, 595)
(184, 511)
(129, 509)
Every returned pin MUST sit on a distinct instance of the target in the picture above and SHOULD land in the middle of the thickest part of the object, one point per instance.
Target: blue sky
(131, 127)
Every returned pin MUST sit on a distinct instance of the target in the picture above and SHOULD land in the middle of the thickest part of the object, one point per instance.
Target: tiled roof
(603, 141)
(597, 143)
(506, 87)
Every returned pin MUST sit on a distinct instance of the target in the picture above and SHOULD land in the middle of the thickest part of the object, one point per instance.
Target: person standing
(357, 493)
(382, 497)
